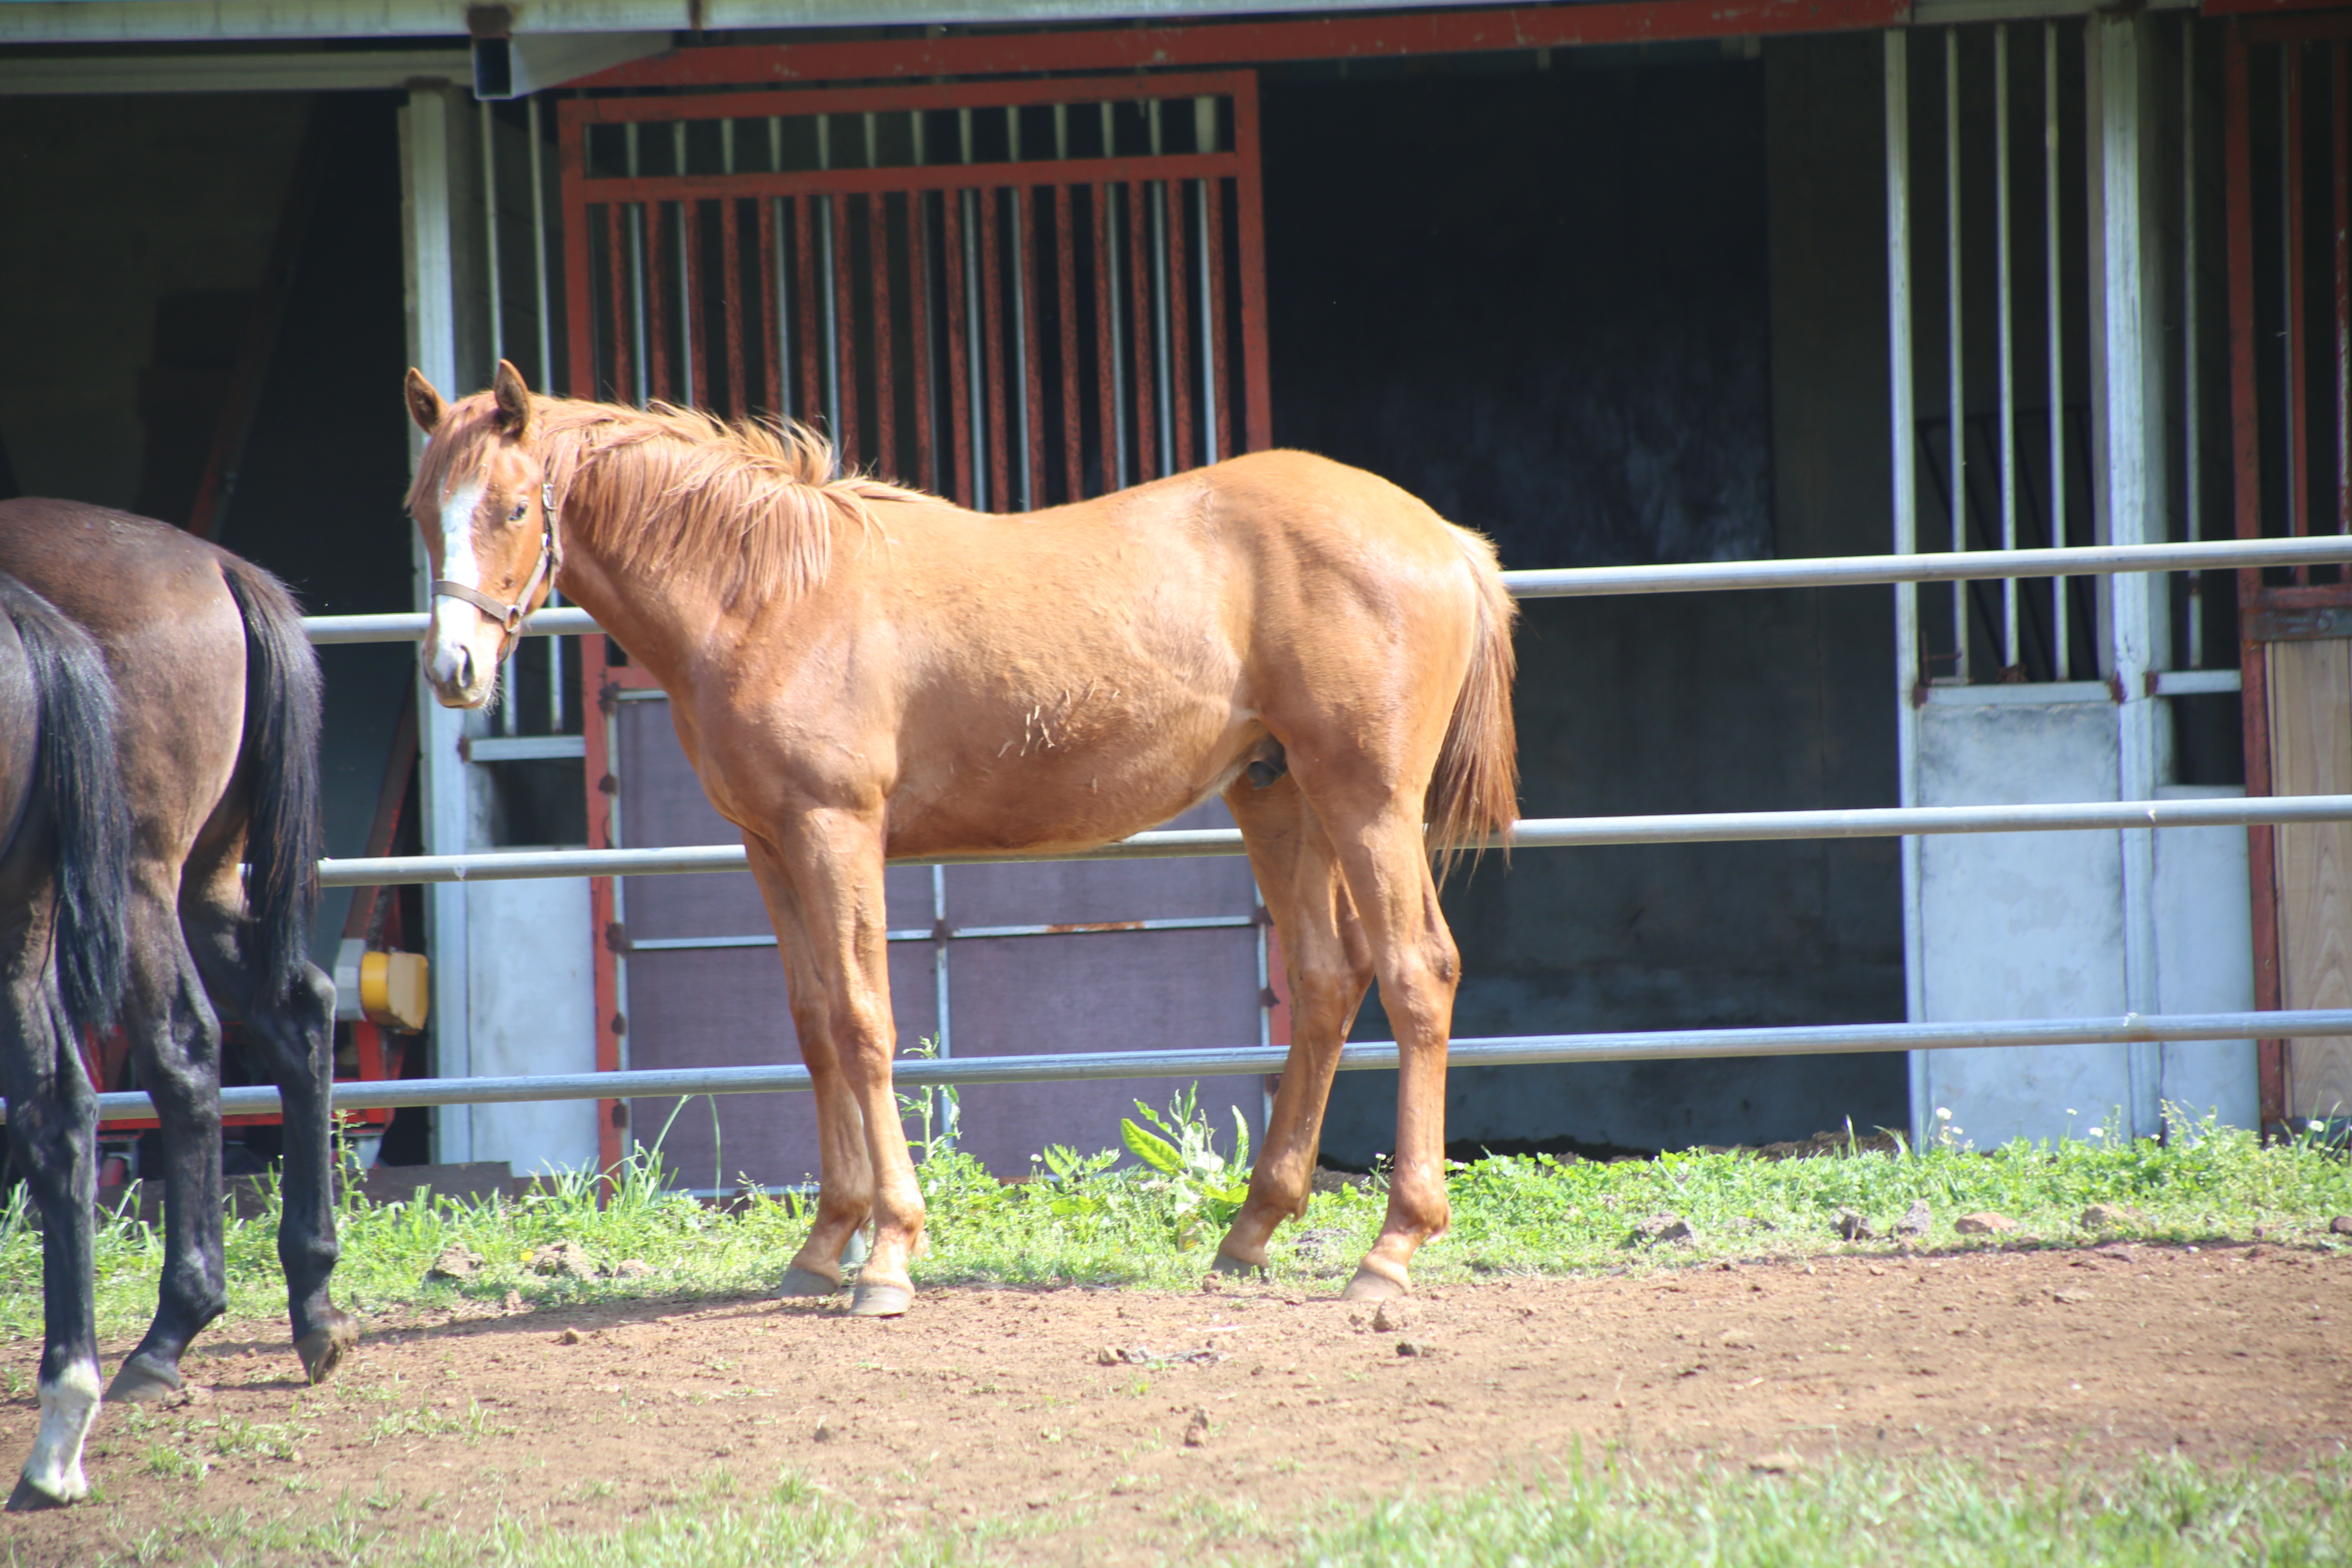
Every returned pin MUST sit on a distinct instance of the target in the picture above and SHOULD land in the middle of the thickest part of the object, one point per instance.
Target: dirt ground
(1077, 1403)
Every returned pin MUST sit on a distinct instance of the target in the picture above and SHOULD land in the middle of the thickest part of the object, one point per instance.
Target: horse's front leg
(821, 878)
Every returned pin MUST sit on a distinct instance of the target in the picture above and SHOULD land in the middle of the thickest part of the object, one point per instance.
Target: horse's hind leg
(176, 1041)
(1329, 966)
(297, 1032)
(53, 1134)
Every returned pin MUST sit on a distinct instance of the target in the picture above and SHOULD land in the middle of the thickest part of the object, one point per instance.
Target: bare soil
(1075, 1404)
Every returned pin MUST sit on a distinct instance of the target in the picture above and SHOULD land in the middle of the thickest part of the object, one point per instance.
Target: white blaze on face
(69, 1406)
(456, 622)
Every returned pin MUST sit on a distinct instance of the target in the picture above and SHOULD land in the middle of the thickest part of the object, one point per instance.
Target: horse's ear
(514, 400)
(424, 405)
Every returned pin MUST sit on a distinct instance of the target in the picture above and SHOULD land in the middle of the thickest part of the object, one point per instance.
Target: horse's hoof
(881, 1301)
(799, 1281)
(1227, 1264)
(144, 1380)
(30, 1498)
(1371, 1285)
(323, 1350)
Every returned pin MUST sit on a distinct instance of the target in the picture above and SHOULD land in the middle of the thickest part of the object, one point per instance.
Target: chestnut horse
(860, 672)
(217, 748)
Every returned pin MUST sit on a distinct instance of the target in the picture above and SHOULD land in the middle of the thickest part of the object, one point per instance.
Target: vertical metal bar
(580, 303)
(955, 248)
(828, 299)
(2012, 658)
(2192, 420)
(689, 301)
(1142, 276)
(622, 290)
(918, 299)
(692, 373)
(1258, 407)
(841, 325)
(1108, 332)
(977, 368)
(805, 292)
(1066, 277)
(2245, 472)
(773, 267)
(1903, 421)
(1179, 328)
(731, 302)
(656, 291)
(2339, 146)
(1026, 395)
(2060, 635)
(542, 293)
(768, 214)
(945, 1037)
(2298, 457)
(1217, 408)
(1955, 345)
(1163, 380)
(491, 234)
(991, 315)
(886, 391)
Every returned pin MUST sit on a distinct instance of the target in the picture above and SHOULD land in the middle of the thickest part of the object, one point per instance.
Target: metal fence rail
(1690, 577)
(1666, 1045)
(1535, 833)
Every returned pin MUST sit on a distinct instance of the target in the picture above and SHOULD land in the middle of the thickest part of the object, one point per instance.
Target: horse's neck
(663, 619)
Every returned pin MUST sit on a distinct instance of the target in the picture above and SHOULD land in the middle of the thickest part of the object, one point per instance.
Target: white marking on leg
(69, 1406)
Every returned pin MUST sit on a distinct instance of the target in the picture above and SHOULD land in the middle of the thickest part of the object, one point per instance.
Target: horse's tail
(284, 831)
(1475, 791)
(76, 771)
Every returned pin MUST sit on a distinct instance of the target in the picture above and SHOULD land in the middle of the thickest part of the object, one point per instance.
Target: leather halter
(550, 561)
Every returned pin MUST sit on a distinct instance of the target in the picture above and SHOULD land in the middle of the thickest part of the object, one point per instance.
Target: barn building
(1629, 281)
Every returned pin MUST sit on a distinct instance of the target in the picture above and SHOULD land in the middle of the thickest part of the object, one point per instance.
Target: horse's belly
(1047, 800)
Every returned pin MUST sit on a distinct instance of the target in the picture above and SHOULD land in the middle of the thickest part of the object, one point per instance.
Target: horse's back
(155, 599)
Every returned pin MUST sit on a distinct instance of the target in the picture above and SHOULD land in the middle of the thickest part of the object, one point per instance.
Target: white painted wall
(2020, 925)
(531, 990)
(2205, 964)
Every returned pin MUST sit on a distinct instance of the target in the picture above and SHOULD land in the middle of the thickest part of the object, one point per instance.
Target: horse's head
(487, 511)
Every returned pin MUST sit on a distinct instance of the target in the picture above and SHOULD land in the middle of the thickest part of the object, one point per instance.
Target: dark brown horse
(216, 741)
(860, 672)
(64, 842)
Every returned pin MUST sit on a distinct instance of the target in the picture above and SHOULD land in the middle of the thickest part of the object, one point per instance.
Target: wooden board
(2311, 753)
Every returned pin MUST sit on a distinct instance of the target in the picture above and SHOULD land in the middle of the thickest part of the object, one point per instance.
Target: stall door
(1015, 294)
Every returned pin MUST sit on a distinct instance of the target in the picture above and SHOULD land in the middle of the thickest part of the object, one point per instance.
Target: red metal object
(1180, 319)
(2259, 10)
(991, 344)
(886, 401)
(1032, 390)
(1066, 277)
(1246, 43)
(959, 286)
(979, 277)
(2340, 150)
(2298, 463)
(696, 342)
(730, 239)
(770, 216)
(1143, 355)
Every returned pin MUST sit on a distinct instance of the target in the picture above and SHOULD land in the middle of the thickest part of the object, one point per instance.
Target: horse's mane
(751, 506)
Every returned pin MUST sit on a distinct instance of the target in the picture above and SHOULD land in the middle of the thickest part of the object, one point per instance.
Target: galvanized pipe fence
(1539, 832)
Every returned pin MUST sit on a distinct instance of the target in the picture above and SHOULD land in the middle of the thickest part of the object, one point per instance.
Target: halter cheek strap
(550, 561)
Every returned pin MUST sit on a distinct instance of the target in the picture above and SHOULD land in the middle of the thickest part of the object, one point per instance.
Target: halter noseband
(550, 561)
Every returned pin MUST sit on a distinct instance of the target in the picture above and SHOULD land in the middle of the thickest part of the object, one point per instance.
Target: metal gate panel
(2287, 132)
(1014, 294)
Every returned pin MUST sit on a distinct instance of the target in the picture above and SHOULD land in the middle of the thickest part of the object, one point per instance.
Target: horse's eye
(521, 507)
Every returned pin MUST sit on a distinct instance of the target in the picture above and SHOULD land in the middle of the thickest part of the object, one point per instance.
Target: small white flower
(2098, 1133)
(2071, 1111)
(1942, 1115)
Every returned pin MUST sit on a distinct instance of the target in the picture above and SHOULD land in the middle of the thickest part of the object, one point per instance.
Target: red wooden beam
(1243, 43)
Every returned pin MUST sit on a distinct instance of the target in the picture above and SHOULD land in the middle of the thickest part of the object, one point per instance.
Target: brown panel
(2311, 741)
(1129, 992)
(728, 1008)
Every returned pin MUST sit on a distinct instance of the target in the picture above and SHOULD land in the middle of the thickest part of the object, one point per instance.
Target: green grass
(2166, 1513)
(1101, 1226)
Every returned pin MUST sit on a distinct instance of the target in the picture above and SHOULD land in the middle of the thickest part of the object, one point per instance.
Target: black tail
(76, 772)
(284, 834)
